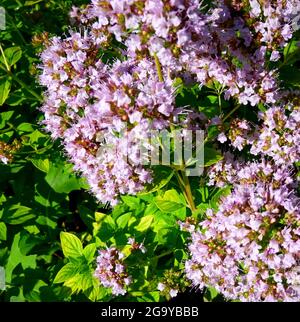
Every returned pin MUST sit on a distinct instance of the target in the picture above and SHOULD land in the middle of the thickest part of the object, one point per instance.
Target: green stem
(182, 187)
(4, 58)
(188, 191)
(158, 68)
(162, 255)
(11, 126)
(6, 130)
(220, 103)
(42, 150)
(287, 57)
(231, 112)
(18, 80)
(138, 293)
(28, 89)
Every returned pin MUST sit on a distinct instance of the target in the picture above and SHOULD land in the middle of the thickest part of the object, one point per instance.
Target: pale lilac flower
(222, 138)
(275, 55)
(173, 293)
(233, 249)
(111, 271)
(161, 286)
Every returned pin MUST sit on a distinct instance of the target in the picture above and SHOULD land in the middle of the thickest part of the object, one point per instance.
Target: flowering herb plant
(124, 205)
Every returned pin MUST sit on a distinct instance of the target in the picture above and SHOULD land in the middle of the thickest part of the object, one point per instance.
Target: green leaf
(4, 117)
(151, 209)
(3, 231)
(27, 242)
(16, 258)
(66, 272)
(13, 55)
(162, 178)
(131, 202)
(32, 2)
(291, 52)
(62, 179)
(210, 294)
(41, 164)
(290, 74)
(212, 132)
(32, 229)
(211, 156)
(168, 206)
(36, 138)
(71, 245)
(202, 208)
(173, 195)
(16, 98)
(147, 297)
(5, 85)
(46, 221)
(80, 282)
(213, 99)
(123, 220)
(261, 107)
(144, 223)
(178, 85)
(18, 298)
(17, 214)
(163, 220)
(89, 252)
(167, 237)
(25, 127)
(172, 202)
(96, 293)
(99, 219)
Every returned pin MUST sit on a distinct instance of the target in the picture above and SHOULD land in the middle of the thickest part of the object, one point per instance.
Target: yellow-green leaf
(145, 223)
(71, 245)
(5, 85)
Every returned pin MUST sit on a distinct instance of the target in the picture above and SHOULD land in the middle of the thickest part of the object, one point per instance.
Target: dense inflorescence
(227, 44)
(103, 113)
(249, 249)
(279, 135)
(111, 271)
(91, 100)
(111, 84)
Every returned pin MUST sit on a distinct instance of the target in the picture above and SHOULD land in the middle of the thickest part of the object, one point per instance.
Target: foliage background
(39, 194)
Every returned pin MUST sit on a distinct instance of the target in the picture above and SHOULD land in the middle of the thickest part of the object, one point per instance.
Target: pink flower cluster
(111, 84)
(227, 43)
(225, 171)
(279, 135)
(102, 113)
(276, 137)
(273, 22)
(250, 248)
(111, 271)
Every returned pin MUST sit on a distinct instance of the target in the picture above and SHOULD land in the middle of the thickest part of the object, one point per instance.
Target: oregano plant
(149, 150)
